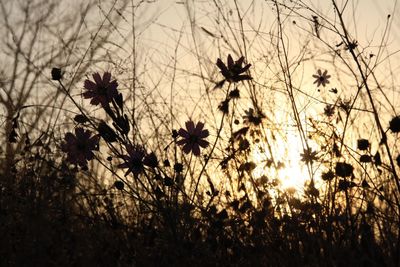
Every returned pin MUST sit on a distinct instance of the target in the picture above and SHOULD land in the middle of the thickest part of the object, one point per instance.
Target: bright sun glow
(294, 173)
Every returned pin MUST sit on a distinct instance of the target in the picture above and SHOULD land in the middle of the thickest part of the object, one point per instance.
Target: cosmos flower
(329, 110)
(56, 74)
(102, 90)
(253, 116)
(394, 124)
(233, 71)
(133, 160)
(137, 159)
(79, 147)
(193, 138)
(308, 156)
(321, 78)
(343, 169)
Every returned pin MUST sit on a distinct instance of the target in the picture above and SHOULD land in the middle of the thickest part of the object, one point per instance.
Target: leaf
(208, 32)
(106, 132)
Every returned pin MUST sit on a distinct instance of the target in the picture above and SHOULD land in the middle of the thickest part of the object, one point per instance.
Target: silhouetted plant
(133, 181)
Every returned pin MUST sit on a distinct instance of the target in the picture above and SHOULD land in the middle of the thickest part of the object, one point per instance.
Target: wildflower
(224, 106)
(312, 190)
(56, 74)
(365, 158)
(168, 181)
(377, 159)
(345, 105)
(308, 156)
(174, 134)
(321, 78)
(247, 166)
(134, 160)
(329, 110)
(151, 160)
(244, 144)
(344, 185)
(233, 72)
(167, 163)
(81, 118)
(178, 167)
(336, 150)
(333, 90)
(102, 90)
(394, 124)
(362, 144)
(80, 147)
(328, 176)
(193, 138)
(119, 185)
(352, 45)
(343, 169)
(235, 93)
(253, 117)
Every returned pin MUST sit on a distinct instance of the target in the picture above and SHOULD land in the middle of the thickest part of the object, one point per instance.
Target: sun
(294, 173)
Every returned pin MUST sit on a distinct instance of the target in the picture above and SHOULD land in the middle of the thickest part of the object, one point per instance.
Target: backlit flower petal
(204, 134)
(198, 128)
(187, 148)
(183, 133)
(203, 143)
(230, 62)
(88, 84)
(189, 126)
(97, 78)
(196, 149)
(106, 77)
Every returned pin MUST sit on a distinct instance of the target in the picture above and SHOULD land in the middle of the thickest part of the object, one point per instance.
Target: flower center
(102, 90)
(136, 164)
(81, 146)
(193, 139)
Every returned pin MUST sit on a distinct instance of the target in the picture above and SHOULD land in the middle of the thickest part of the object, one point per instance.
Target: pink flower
(79, 147)
(134, 160)
(137, 159)
(193, 138)
(321, 78)
(102, 90)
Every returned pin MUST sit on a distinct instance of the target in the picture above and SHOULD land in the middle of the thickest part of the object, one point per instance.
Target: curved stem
(212, 149)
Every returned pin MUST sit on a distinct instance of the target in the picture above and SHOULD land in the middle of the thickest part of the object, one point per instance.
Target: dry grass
(135, 191)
